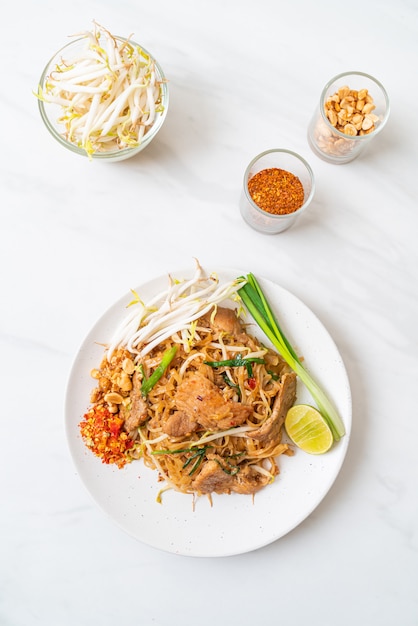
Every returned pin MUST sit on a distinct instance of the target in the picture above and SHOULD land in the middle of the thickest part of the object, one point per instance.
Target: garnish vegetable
(256, 303)
(237, 362)
(149, 383)
(108, 93)
(172, 311)
(196, 454)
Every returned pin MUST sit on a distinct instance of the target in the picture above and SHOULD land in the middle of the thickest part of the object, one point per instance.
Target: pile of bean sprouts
(108, 92)
(172, 311)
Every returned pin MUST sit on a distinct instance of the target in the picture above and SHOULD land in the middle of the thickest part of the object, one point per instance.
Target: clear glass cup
(329, 143)
(286, 160)
(51, 112)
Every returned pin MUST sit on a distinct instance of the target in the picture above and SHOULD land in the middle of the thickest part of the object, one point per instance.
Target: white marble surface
(75, 236)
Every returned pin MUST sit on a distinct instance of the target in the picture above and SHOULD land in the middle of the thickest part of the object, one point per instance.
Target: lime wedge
(308, 430)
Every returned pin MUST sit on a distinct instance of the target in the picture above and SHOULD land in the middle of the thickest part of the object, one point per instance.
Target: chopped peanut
(348, 107)
(350, 112)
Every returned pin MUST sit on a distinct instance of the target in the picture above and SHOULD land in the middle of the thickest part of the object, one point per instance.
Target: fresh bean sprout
(173, 310)
(108, 93)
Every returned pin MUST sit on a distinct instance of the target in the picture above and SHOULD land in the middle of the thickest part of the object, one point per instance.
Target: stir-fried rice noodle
(206, 427)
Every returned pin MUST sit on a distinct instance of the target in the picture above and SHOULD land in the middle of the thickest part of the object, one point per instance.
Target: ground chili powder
(276, 191)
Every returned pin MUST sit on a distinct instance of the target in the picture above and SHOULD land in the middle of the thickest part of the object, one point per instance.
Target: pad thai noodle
(184, 386)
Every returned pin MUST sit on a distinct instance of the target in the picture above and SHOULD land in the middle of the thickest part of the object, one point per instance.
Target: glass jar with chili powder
(278, 187)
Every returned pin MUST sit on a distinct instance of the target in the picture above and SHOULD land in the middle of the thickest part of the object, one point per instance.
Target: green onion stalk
(149, 383)
(257, 305)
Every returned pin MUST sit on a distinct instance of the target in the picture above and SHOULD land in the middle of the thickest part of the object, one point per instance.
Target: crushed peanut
(350, 111)
(113, 398)
(114, 381)
(102, 426)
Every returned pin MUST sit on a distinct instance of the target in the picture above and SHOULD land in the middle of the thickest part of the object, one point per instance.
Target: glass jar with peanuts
(353, 109)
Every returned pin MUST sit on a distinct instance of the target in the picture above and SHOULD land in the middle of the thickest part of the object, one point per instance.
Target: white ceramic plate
(235, 523)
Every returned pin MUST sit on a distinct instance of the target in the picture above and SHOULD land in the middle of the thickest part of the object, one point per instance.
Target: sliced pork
(216, 476)
(270, 430)
(138, 412)
(204, 403)
(179, 424)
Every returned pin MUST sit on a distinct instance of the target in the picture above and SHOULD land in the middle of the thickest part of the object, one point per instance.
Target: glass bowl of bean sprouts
(103, 97)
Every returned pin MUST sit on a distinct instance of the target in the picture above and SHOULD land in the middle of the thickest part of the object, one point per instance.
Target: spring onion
(237, 362)
(196, 454)
(198, 457)
(256, 303)
(231, 384)
(149, 383)
(231, 470)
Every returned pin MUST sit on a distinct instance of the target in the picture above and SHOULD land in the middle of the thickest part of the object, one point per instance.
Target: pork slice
(204, 403)
(226, 319)
(179, 424)
(248, 481)
(270, 430)
(138, 412)
(212, 479)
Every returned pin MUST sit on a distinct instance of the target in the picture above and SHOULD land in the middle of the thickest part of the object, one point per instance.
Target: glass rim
(282, 216)
(358, 138)
(111, 154)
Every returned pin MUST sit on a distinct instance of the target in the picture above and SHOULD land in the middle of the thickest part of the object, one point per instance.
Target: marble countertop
(243, 77)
